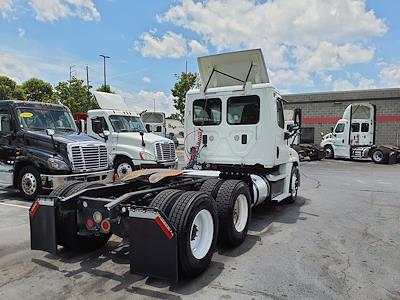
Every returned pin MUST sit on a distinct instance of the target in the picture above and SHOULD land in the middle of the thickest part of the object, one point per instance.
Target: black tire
(120, 161)
(227, 196)
(29, 182)
(68, 226)
(61, 190)
(293, 189)
(165, 200)
(182, 215)
(211, 186)
(329, 153)
(379, 156)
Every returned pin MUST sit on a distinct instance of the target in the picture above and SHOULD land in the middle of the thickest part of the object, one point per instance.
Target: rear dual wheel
(194, 216)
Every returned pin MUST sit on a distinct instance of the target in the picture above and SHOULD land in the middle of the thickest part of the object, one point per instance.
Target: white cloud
(390, 75)
(285, 78)
(170, 45)
(146, 79)
(197, 48)
(15, 67)
(144, 100)
(6, 8)
(354, 81)
(21, 32)
(306, 36)
(53, 10)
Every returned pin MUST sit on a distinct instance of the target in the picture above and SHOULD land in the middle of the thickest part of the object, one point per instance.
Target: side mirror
(96, 126)
(331, 129)
(297, 118)
(50, 132)
(142, 135)
(321, 133)
(106, 134)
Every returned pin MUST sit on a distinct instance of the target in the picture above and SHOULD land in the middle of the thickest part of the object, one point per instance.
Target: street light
(104, 65)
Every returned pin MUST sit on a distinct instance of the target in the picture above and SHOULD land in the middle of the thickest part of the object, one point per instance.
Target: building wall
(321, 111)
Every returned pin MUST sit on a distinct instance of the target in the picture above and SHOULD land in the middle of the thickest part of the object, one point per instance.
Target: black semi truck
(41, 149)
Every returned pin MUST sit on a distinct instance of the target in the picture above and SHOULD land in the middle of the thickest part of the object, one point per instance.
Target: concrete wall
(322, 110)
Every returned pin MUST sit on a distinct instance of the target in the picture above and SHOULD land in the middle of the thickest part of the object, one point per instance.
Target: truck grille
(165, 151)
(89, 157)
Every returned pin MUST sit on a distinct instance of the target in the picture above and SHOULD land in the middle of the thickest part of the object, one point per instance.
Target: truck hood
(59, 137)
(149, 138)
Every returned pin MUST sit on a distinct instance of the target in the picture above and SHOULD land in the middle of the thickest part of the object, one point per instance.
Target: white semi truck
(354, 137)
(235, 134)
(130, 145)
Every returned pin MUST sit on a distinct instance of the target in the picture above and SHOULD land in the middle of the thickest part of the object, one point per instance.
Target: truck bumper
(158, 165)
(6, 175)
(53, 181)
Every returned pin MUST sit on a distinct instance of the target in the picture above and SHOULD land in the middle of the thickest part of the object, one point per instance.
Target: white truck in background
(312, 151)
(354, 137)
(130, 145)
(154, 122)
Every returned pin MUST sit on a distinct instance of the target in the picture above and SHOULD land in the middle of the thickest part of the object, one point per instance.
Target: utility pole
(71, 70)
(104, 68)
(87, 83)
(87, 76)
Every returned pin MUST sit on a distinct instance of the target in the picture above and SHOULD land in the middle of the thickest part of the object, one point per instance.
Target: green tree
(37, 90)
(10, 90)
(185, 81)
(75, 95)
(105, 88)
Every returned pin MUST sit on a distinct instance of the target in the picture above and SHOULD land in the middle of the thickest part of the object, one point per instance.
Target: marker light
(105, 225)
(97, 217)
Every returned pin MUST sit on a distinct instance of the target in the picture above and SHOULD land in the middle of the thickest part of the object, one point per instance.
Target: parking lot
(341, 239)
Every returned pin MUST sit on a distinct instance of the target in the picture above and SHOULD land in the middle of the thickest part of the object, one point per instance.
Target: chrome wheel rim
(328, 152)
(29, 184)
(124, 169)
(201, 234)
(378, 156)
(295, 184)
(240, 213)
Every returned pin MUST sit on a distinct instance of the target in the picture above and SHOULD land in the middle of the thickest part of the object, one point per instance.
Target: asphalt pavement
(340, 240)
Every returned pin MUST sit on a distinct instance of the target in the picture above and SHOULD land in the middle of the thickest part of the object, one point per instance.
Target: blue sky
(310, 45)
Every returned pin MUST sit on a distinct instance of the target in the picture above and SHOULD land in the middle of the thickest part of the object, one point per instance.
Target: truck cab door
(341, 139)
(7, 136)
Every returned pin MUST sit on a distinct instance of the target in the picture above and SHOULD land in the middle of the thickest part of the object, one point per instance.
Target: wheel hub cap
(29, 184)
(124, 169)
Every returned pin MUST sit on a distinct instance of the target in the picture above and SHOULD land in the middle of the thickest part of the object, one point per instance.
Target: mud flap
(153, 244)
(42, 216)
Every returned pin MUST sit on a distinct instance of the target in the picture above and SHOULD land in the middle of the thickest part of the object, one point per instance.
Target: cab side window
(5, 121)
(103, 122)
(339, 128)
(280, 114)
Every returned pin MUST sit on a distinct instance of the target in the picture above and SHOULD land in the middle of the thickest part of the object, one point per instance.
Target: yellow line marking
(14, 205)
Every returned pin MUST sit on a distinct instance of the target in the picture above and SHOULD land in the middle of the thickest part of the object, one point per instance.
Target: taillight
(89, 223)
(105, 225)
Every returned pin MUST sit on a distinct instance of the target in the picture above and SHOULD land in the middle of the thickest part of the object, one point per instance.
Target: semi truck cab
(130, 145)
(41, 148)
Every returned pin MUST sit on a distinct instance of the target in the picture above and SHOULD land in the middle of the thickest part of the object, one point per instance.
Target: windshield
(126, 124)
(41, 119)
